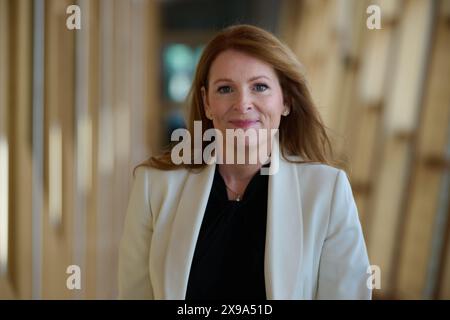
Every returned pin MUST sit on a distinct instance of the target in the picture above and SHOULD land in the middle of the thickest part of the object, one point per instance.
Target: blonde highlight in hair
(302, 132)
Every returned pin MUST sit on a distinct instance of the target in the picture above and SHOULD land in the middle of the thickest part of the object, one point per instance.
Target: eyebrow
(249, 80)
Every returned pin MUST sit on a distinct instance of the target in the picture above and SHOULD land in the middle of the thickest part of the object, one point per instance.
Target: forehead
(237, 65)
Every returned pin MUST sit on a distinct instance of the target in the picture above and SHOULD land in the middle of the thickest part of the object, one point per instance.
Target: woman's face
(243, 92)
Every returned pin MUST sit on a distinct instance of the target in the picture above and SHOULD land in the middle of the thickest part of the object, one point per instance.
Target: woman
(220, 229)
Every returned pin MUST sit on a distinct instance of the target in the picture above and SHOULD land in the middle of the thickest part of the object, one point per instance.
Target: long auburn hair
(301, 133)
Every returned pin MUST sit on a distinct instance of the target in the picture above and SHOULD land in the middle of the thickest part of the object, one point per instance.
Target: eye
(261, 87)
(224, 89)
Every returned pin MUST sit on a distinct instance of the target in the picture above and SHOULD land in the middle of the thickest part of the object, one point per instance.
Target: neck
(237, 177)
(238, 173)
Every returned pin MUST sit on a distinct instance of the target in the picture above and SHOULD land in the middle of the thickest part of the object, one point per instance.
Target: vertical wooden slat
(105, 152)
(351, 38)
(83, 147)
(443, 290)
(121, 116)
(92, 214)
(405, 92)
(23, 160)
(144, 80)
(6, 285)
(402, 114)
(425, 216)
(59, 97)
(365, 142)
(38, 145)
(21, 146)
(128, 119)
(152, 103)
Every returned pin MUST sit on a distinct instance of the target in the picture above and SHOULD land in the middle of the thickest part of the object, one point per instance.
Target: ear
(205, 101)
(286, 106)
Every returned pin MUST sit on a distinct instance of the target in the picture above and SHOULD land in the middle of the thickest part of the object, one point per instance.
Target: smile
(244, 123)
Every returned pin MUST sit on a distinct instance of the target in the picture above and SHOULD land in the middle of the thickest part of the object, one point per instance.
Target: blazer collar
(185, 230)
(284, 231)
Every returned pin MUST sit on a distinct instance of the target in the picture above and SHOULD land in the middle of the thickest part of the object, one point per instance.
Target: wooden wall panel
(351, 38)
(363, 156)
(121, 108)
(385, 217)
(21, 160)
(328, 42)
(396, 142)
(59, 113)
(424, 227)
(16, 107)
(6, 282)
(402, 114)
(93, 102)
(405, 92)
(443, 290)
(128, 119)
(367, 118)
(105, 151)
(86, 87)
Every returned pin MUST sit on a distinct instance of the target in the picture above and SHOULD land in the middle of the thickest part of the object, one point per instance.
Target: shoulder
(313, 171)
(320, 181)
(330, 187)
(160, 183)
(151, 174)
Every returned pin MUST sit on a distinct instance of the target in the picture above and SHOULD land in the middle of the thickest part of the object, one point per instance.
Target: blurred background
(80, 108)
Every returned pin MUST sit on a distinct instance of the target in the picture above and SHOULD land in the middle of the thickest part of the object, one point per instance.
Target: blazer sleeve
(134, 251)
(344, 262)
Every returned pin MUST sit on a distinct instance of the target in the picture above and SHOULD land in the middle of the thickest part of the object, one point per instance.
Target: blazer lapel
(186, 226)
(284, 233)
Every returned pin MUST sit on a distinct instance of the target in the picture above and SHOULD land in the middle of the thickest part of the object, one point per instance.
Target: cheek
(273, 109)
(218, 106)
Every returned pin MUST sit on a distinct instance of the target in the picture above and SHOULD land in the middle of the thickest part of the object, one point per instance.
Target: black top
(228, 261)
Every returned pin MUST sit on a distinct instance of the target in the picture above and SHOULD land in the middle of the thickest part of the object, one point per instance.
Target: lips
(244, 123)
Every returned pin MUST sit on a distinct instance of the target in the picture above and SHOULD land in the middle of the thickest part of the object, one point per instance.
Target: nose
(243, 102)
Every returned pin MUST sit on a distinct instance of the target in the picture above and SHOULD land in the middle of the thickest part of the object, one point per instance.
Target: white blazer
(314, 243)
